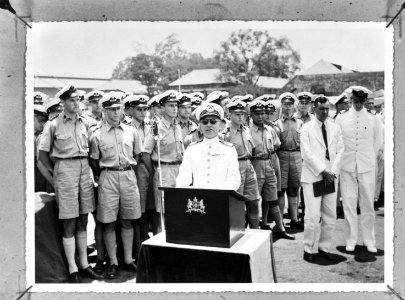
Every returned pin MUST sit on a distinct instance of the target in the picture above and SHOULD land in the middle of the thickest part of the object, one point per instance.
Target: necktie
(325, 139)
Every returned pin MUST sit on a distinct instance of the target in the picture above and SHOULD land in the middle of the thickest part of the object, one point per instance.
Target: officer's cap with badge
(39, 98)
(237, 106)
(195, 101)
(269, 106)
(358, 93)
(53, 105)
(342, 98)
(247, 98)
(209, 109)
(266, 97)
(136, 101)
(288, 98)
(257, 106)
(305, 97)
(154, 100)
(217, 97)
(197, 94)
(168, 96)
(111, 100)
(236, 98)
(94, 96)
(67, 92)
(81, 94)
(40, 110)
(184, 99)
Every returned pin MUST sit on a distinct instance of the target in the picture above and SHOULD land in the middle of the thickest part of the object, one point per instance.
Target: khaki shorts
(276, 166)
(248, 186)
(290, 167)
(73, 187)
(266, 180)
(144, 180)
(118, 192)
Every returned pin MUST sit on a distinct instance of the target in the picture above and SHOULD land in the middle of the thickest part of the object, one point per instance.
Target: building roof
(202, 76)
(90, 83)
(271, 82)
(325, 67)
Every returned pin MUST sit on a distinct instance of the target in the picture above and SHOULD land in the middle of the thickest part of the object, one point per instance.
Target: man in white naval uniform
(362, 138)
(210, 163)
(321, 149)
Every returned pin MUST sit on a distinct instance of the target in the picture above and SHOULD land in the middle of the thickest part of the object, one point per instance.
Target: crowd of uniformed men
(100, 153)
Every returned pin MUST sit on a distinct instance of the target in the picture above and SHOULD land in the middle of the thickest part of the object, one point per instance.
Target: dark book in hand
(322, 188)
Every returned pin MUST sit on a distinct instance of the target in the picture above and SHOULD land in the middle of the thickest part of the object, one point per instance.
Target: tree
(248, 54)
(148, 69)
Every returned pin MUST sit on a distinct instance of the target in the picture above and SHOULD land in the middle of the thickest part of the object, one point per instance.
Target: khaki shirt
(263, 140)
(142, 129)
(187, 127)
(241, 139)
(115, 146)
(289, 132)
(171, 142)
(304, 118)
(64, 137)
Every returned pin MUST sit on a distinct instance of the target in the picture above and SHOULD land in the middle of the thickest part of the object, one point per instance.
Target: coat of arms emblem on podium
(195, 205)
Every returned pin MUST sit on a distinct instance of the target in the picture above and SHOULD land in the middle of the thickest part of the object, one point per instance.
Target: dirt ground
(360, 267)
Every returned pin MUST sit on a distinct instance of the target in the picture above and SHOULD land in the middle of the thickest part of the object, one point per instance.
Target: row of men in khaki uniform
(268, 149)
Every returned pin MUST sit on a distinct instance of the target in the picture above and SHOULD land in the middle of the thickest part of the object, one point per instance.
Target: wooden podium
(203, 217)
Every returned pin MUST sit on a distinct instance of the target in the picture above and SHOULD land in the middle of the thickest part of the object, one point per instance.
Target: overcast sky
(93, 49)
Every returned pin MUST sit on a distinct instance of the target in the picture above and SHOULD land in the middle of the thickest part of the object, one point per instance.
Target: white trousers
(358, 187)
(379, 175)
(319, 220)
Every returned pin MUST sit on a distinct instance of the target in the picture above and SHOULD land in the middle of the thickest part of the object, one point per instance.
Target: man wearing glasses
(64, 150)
(210, 163)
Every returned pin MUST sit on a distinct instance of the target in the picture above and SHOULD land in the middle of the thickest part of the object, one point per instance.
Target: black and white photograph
(210, 152)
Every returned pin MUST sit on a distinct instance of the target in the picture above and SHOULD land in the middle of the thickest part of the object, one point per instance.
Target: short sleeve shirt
(263, 140)
(240, 137)
(115, 146)
(65, 137)
(289, 132)
(143, 130)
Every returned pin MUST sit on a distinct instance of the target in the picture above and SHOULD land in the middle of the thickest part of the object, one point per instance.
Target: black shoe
(90, 250)
(89, 273)
(325, 255)
(265, 227)
(112, 271)
(130, 267)
(296, 225)
(99, 267)
(74, 277)
(309, 257)
(283, 235)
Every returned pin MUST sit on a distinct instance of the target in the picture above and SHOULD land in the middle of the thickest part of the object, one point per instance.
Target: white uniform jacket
(210, 164)
(362, 138)
(313, 150)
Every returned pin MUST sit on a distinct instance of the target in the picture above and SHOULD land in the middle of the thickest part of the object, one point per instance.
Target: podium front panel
(202, 217)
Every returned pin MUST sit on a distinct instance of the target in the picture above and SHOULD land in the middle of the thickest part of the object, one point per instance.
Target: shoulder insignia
(226, 143)
(54, 117)
(192, 131)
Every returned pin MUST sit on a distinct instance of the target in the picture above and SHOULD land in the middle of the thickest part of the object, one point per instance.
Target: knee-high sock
(81, 244)
(278, 218)
(69, 245)
(98, 236)
(281, 204)
(127, 236)
(110, 244)
(293, 208)
(265, 212)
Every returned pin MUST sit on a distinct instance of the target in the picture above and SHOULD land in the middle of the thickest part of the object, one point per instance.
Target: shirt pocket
(107, 151)
(64, 143)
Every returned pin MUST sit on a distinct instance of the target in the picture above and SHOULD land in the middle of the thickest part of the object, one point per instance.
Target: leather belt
(118, 168)
(244, 158)
(260, 158)
(75, 157)
(289, 150)
(168, 163)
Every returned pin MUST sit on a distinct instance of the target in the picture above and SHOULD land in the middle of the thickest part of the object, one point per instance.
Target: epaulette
(196, 142)
(371, 112)
(54, 117)
(192, 131)
(226, 143)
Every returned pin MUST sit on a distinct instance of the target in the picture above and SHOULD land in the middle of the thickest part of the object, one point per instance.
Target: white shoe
(350, 248)
(372, 249)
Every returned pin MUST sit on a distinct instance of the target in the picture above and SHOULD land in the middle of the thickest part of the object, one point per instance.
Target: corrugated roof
(90, 83)
(202, 76)
(271, 82)
(325, 67)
